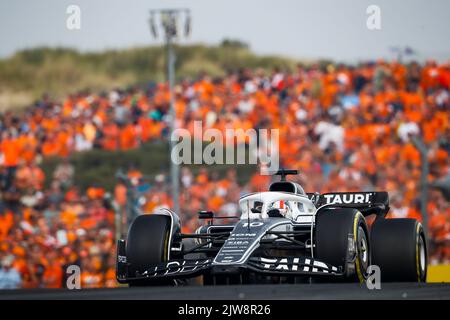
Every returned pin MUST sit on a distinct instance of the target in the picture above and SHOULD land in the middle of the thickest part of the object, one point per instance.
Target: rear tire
(148, 245)
(399, 249)
(331, 238)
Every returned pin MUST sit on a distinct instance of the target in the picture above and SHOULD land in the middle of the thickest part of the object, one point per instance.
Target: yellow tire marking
(166, 241)
(417, 251)
(358, 267)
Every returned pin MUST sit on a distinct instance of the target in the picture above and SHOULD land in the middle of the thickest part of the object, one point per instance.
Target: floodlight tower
(423, 150)
(168, 23)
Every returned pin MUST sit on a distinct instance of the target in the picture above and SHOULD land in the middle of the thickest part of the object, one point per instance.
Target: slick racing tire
(333, 227)
(148, 245)
(399, 249)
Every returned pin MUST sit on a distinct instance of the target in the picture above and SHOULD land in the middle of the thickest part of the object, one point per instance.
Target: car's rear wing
(374, 202)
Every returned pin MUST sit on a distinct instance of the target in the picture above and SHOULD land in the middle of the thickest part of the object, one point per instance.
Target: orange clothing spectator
(53, 275)
(10, 149)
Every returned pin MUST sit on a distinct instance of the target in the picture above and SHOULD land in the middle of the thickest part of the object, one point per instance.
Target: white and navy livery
(284, 235)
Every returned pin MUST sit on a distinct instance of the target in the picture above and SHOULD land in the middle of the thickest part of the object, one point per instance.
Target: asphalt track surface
(388, 291)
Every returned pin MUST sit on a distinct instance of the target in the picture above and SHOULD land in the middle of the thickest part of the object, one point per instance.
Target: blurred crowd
(346, 128)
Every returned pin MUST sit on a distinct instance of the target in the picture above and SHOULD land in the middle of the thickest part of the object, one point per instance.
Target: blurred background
(85, 116)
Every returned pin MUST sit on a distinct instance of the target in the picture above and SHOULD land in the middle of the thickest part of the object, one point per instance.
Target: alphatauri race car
(283, 235)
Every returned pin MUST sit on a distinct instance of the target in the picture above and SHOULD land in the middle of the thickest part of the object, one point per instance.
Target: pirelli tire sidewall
(331, 239)
(148, 245)
(399, 249)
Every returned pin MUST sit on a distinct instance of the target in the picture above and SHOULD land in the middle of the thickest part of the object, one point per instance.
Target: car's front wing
(176, 269)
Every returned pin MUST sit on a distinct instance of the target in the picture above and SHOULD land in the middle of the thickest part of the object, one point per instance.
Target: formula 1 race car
(283, 235)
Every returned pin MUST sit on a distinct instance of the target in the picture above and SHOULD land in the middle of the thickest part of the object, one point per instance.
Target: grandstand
(346, 128)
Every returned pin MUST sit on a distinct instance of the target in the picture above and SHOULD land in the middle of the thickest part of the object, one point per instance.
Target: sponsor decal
(348, 198)
(295, 264)
(175, 267)
(243, 240)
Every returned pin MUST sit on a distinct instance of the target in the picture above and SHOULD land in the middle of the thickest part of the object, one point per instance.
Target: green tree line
(28, 74)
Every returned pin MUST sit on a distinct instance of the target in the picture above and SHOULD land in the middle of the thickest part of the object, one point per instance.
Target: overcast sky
(296, 28)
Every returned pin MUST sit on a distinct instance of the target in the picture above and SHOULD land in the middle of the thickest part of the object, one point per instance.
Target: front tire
(333, 227)
(148, 245)
(399, 249)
